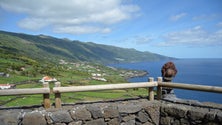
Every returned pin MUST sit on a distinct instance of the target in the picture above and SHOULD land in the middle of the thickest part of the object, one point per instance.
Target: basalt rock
(126, 112)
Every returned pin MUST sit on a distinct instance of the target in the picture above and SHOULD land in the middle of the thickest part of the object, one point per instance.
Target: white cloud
(136, 40)
(195, 36)
(33, 23)
(143, 39)
(80, 29)
(71, 13)
(219, 24)
(178, 16)
(206, 17)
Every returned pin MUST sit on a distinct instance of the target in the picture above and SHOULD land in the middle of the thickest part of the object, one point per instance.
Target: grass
(21, 100)
(68, 75)
(30, 65)
(27, 100)
(102, 95)
(13, 79)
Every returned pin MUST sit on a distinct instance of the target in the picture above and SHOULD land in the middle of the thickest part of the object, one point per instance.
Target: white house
(7, 86)
(96, 75)
(99, 79)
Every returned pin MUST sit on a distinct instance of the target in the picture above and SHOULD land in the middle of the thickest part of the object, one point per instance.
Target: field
(69, 74)
(28, 100)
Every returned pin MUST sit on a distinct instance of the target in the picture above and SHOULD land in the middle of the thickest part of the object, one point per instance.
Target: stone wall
(190, 114)
(119, 112)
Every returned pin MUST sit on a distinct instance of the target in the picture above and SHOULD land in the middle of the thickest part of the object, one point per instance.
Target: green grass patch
(28, 100)
(21, 100)
(102, 95)
(26, 72)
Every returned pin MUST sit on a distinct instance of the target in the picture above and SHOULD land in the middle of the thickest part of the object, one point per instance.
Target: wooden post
(46, 97)
(159, 88)
(151, 92)
(58, 102)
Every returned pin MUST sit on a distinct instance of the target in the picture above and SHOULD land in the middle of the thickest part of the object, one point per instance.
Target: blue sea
(192, 71)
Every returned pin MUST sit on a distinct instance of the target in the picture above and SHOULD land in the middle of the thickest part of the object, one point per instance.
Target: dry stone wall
(190, 114)
(125, 112)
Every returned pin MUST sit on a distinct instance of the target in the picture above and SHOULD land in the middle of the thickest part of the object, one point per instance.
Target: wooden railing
(150, 85)
(33, 91)
(58, 90)
(186, 86)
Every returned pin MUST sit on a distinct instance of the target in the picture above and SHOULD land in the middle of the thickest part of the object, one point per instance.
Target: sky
(175, 28)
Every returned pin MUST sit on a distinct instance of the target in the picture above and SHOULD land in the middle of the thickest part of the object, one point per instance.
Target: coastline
(135, 73)
(202, 71)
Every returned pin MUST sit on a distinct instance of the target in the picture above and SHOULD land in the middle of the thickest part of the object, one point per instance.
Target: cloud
(178, 16)
(80, 29)
(33, 23)
(61, 15)
(206, 17)
(219, 24)
(137, 40)
(193, 37)
(143, 39)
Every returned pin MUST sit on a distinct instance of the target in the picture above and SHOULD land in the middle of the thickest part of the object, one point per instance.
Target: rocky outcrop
(117, 112)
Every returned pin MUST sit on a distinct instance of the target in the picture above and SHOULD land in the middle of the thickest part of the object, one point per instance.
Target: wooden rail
(104, 87)
(45, 91)
(24, 91)
(150, 85)
(186, 86)
(58, 90)
(191, 87)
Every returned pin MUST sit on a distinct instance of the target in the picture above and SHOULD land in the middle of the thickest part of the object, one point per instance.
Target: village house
(2, 74)
(7, 86)
(99, 79)
(22, 68)
(98, 76)
(48, 79)
(63, 62)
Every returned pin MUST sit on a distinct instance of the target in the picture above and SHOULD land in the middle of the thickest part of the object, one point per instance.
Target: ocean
(191, 71)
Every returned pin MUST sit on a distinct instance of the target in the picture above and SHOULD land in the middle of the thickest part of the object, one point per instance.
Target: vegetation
(27, 58)
(52, 49)
(26, 73)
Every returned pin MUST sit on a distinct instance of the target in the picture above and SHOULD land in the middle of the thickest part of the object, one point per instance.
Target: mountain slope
(43, 47)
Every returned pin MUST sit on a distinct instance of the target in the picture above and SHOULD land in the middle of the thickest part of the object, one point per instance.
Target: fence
(185, 86)
(33, 91)
(150, 85)
(58, 90)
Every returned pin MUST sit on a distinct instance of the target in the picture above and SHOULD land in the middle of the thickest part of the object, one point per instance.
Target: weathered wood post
(159, 88)
(46, 97)
(58, 102)
(151, 92)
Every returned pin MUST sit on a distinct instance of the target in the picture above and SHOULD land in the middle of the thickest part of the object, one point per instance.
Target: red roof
(47, 78)
(7, 84)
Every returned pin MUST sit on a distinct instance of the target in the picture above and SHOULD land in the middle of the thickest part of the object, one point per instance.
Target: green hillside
(52, 49)
(27, 58)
